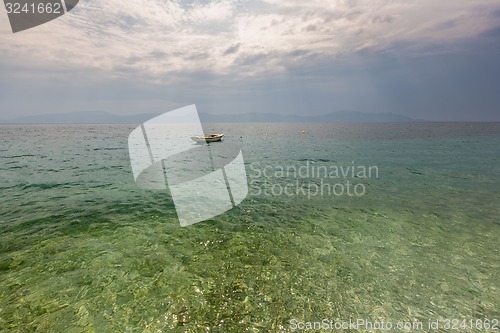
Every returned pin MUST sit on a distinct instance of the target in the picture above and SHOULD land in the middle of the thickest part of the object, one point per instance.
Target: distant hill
(90, 117)
(341, 116)
(95, 117)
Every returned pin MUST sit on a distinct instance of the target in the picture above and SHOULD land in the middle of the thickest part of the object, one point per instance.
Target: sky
(426, 59)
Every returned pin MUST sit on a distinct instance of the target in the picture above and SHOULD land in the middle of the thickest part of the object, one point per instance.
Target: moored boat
(208, 138)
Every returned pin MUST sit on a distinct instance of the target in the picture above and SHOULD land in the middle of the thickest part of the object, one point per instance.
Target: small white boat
(208, 138)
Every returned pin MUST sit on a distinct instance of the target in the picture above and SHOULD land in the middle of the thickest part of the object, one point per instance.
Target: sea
(367, 227)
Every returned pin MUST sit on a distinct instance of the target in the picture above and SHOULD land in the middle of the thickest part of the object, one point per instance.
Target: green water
(82, 249)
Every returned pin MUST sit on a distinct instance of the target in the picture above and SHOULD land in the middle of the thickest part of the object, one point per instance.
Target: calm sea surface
(381, 222)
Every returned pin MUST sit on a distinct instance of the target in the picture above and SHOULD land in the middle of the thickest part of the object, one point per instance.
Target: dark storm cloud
(232, 49)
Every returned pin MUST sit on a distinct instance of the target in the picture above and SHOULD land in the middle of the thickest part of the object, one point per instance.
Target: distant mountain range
(90, 117)
(341, 116)
(94, 117)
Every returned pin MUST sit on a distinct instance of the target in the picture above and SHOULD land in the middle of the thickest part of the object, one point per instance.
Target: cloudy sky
(428, 59)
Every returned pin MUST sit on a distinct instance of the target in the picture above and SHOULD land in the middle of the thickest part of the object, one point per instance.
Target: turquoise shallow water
(82, 249)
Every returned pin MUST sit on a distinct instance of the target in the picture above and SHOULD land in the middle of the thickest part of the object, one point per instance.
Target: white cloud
(157, 39)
